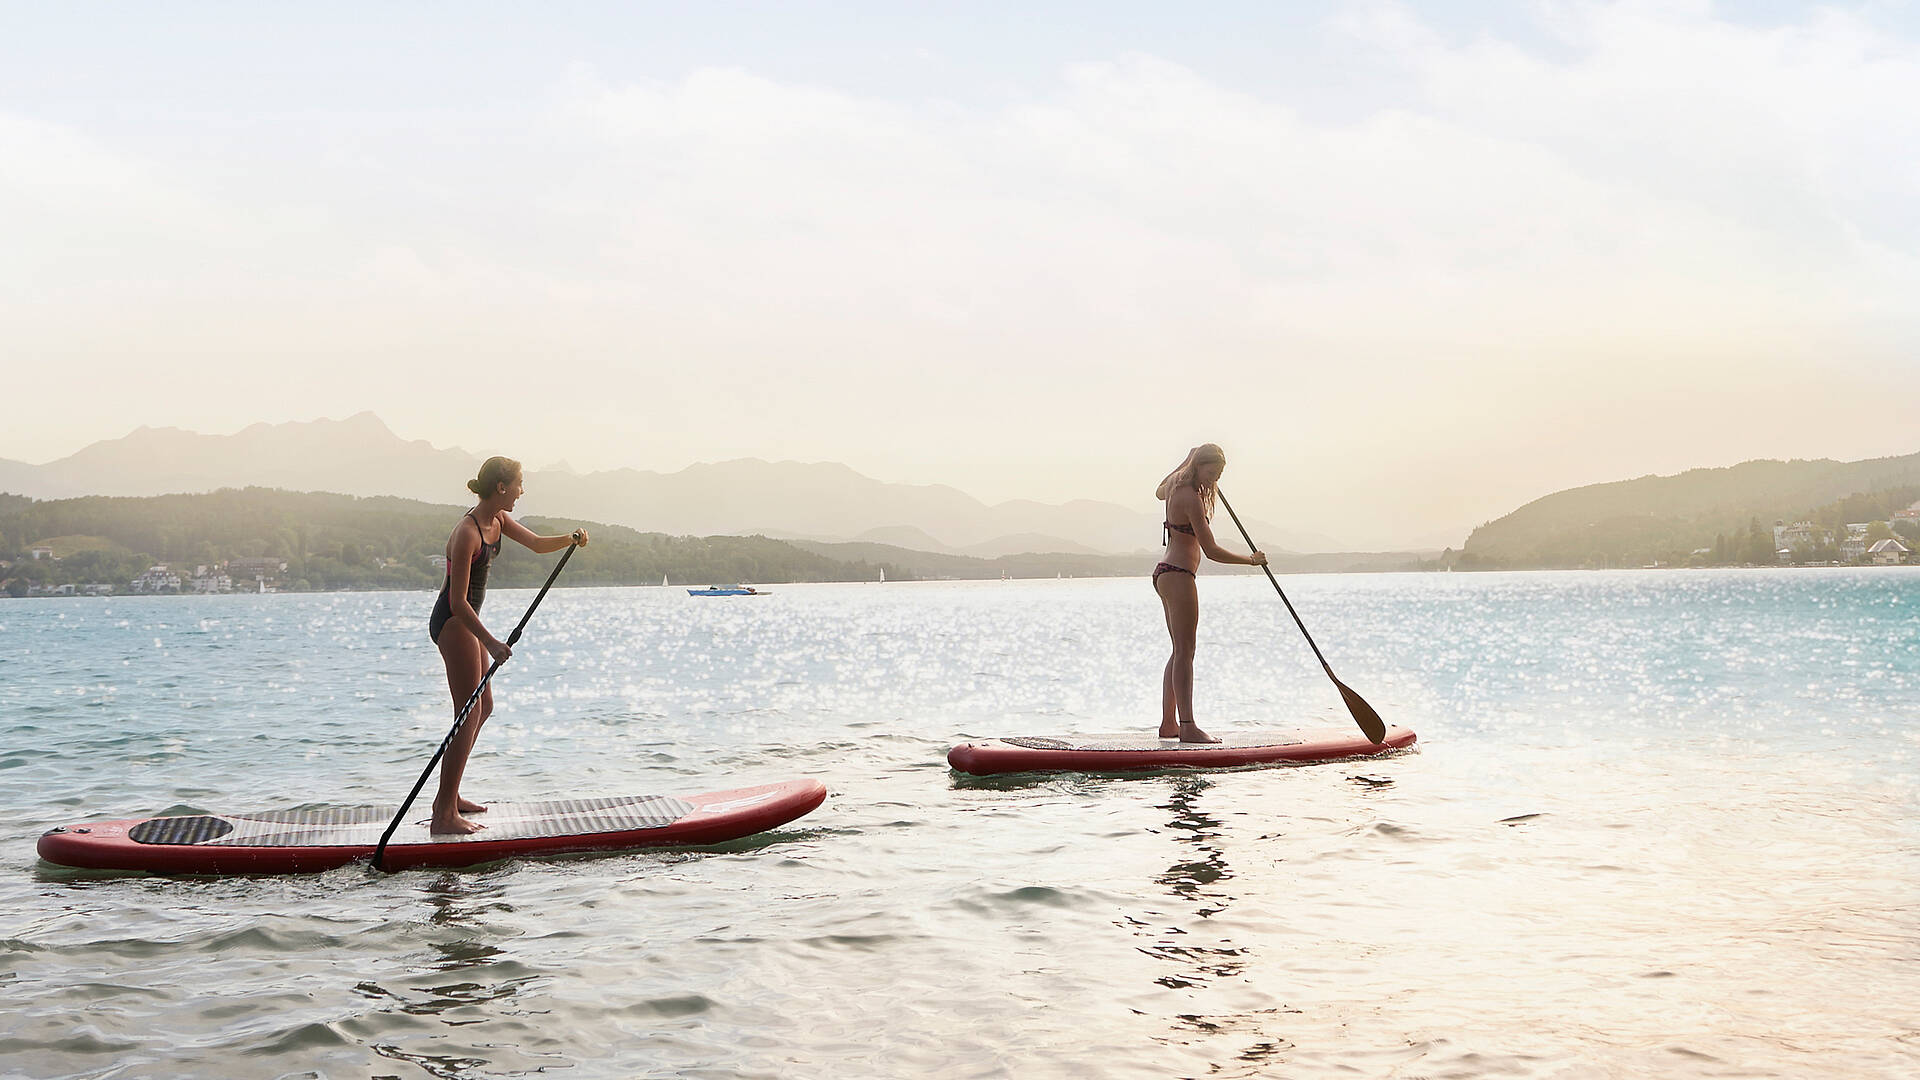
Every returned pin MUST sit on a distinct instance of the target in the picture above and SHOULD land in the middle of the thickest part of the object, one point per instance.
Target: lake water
(1658, 824)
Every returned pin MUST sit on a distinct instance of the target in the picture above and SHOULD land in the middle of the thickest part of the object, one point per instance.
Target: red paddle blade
(1370, 723)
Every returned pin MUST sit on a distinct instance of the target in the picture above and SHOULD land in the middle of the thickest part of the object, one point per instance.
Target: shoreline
(1235, 572)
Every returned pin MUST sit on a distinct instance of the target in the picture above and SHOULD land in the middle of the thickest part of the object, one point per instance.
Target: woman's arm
(536, 543)
(1189, 501)
(1165, 491)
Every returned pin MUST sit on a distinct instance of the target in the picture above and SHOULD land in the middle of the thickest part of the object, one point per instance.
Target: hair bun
(494, 472)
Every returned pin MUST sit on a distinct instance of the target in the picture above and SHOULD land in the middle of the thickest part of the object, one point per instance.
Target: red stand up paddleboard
(305, 841)
(1117, 753)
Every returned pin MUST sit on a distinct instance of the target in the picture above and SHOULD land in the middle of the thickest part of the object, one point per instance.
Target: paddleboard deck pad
(303, 841)
(1118, 753)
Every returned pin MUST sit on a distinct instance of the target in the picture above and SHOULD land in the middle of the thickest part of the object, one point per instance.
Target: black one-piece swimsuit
(476, 583)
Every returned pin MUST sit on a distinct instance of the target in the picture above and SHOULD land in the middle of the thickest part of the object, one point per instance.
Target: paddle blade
(1370, 723)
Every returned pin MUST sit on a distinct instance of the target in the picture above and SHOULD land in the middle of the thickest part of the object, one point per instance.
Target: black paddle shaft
(459, 721)
(1370, 723)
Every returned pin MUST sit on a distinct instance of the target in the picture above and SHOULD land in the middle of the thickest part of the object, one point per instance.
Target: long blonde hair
(1187, 474)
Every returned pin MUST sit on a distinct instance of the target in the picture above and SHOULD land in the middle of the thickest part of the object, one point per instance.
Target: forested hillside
(343, 542)
(1729, 511)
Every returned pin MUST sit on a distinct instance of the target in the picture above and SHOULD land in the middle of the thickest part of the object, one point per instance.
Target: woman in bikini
(1189, 493)
(455, 626)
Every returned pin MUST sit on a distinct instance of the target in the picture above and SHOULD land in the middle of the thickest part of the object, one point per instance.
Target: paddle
(1370, 723)
(381, 849)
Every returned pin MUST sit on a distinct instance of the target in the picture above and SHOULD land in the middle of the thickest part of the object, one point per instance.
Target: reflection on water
(439, 1066)
(466, 931)
(1192, 879)
(1188, 939)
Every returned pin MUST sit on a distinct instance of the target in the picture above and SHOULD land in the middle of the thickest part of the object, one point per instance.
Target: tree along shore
(310, 541)
(317, 542)
(1688, 521)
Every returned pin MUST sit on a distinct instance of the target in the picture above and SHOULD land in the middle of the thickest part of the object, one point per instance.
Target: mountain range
(819, 501)
(834, 511)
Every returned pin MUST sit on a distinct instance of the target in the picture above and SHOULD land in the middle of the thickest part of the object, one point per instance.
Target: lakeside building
(1889, 553)
(1800, 534)
(261, 571)
(42, 553)
(93, 588)
(157, 579)
(211, 579)
(1851, 543)
(1854, 544)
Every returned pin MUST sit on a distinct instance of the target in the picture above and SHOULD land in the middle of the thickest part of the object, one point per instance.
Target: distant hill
(333, 542)
(904, 536)
(361, 456)
(1020, 543)
(355, 456)
(1664, 518)
(934, 565)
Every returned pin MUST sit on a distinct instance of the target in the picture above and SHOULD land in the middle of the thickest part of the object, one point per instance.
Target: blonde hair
(1187, 474)
(494, 472)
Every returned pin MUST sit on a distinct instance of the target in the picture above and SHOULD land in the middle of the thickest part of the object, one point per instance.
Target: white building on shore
(1853, 545)
(1799, 536)
(157, 579)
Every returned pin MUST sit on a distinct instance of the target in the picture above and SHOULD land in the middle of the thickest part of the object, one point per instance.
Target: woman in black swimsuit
(455, 626)
(1188, 492)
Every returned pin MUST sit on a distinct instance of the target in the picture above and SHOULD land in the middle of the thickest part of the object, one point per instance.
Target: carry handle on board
(1370, 723)
(380, 849)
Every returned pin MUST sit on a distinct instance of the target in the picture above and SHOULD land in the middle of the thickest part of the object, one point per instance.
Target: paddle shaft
(459, 721)
(1363, 713)
(1276, 584)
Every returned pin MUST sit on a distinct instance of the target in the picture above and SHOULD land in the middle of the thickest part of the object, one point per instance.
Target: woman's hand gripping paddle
(1370, 723)
(380, 849)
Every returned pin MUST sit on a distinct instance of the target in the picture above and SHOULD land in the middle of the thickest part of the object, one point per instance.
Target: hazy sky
(1411, 264)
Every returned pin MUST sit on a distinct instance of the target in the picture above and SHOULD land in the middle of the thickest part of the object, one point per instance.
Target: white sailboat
(883, 575)
(663, 580)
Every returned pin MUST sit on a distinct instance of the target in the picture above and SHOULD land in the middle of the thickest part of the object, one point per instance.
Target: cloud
(1450, 299)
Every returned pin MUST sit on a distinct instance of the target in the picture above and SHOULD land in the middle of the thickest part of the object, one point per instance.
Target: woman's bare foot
(468, 806)
(452, 824)
(1190, 732)
(1169, 729)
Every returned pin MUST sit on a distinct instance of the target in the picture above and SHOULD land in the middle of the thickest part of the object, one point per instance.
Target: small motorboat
(729, 590)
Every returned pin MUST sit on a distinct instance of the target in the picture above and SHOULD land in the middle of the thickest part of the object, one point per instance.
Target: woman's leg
(482, 709)
(466, 661)
(1169, 714)
(1180, 599)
